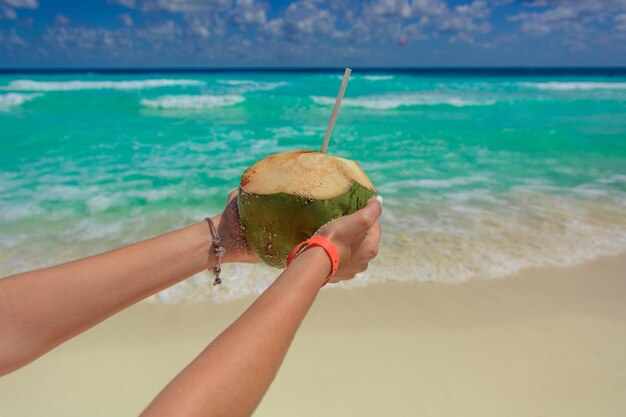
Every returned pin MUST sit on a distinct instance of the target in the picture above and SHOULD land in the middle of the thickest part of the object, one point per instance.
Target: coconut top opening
(305, 173)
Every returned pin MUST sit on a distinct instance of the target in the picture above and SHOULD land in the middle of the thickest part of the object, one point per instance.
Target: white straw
(333, 115)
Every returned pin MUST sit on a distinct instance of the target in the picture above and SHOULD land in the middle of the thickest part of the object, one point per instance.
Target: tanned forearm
(43, 308)
(231, 375)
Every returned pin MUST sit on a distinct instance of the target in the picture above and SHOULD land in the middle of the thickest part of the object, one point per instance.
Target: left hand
(229, 227)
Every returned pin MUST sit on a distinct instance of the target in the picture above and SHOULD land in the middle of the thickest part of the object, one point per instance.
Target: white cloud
(7, 7)
(390, 8)
(465, 21)
(12, 38)
(75, 39)
(429, 7)
(167, 31)
(477, 9)
(248, 12)
(7, 12)
(184, 6)
(303, 19)
(234, 28)
(620, 22)
(274, 28)
(61, 20)
(15, 39)
(395, 20)
(198, 26)
(359, 32)
(498, 3)
(175, 6)
(566, 16)
(126, 3)
(126, 19)
(23, 4)
(540, 3)
(393, 9)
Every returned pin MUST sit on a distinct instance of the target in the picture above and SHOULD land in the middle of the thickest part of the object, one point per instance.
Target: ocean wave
(30, 85)
(453, 241)
(10, 100)
(251, 85)
(615, 179)
(448, 238)
(192, 102)
(395, 186)
(394, 101)
(572, 85)
(378, 77)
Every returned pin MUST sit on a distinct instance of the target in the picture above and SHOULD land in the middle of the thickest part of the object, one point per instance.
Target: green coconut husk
(285, 198)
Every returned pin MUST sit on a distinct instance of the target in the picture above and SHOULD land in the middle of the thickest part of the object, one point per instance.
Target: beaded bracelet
(219, 251)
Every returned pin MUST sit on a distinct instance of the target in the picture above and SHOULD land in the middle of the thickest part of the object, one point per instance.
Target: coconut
(286, 197)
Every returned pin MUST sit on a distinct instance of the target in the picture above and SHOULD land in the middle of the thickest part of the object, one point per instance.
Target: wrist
(323, 243)
(315, 262)
(197, 246)
(217, 221)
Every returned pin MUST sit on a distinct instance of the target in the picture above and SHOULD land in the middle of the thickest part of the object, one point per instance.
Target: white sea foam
(30, 85)
(378, 77)
(394, 101)
(251, 85)
(11, 100)
(615, 179)
(572, 85)
(452, 243)
(192, 102)
(447, 238)
(395, 186)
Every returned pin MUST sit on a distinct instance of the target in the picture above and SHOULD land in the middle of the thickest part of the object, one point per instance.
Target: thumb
(364, 219)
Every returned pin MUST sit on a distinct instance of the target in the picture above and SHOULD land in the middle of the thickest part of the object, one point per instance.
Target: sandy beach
(547, 342)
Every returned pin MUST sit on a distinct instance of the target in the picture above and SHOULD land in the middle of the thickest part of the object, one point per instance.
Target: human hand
(229, 228)
(357, 237)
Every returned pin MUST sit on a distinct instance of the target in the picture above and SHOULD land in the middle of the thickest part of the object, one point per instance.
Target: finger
(364, 219)
(375, 232)
(368, 249)
(344, 276)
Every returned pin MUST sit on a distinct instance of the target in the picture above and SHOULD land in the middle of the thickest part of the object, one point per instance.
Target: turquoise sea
(483, 173)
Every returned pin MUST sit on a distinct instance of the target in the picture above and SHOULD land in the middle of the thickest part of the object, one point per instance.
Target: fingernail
(380, 199)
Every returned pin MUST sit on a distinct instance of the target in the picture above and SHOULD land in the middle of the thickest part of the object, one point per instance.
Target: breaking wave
(30, 85)
(192, 102)
(10, 100)
(394, 101)
(394, 186)
(378, 77)
(572, 86)
(250, 85)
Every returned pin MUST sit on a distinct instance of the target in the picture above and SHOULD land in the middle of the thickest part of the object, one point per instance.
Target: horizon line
(525, 68)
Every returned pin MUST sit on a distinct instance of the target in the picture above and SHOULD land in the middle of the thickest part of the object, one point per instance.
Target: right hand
(357, 237)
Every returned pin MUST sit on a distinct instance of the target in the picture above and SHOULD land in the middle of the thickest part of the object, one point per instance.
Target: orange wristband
(324, 243)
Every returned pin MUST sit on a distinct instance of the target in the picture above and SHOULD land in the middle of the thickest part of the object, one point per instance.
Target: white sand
(549, 342)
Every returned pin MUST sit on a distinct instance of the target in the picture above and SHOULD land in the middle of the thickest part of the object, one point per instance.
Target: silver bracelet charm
(219, 251)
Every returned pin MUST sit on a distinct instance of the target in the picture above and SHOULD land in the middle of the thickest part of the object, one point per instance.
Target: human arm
(41, 309)
(231, 375)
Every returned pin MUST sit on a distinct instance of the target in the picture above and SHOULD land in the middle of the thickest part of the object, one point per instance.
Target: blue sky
(214, 33)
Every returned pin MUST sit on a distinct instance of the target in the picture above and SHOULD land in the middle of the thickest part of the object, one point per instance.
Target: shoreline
(548, 341)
